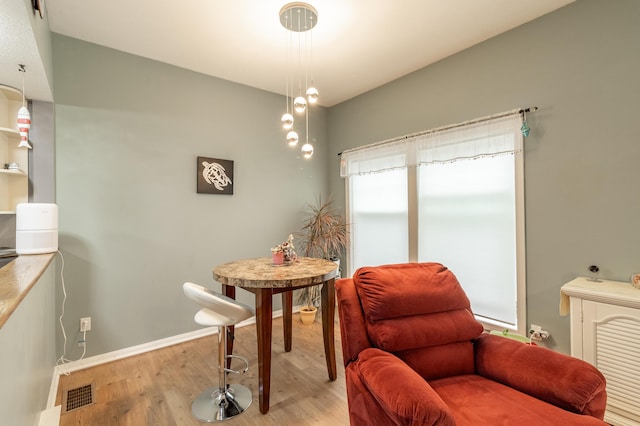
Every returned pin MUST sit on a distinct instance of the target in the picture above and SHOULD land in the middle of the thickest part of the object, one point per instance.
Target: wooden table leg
(328, 300)
(263, 327)
(229, 291)
(287, 309)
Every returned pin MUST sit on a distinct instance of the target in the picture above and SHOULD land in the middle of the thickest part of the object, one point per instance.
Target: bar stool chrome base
(213, 405)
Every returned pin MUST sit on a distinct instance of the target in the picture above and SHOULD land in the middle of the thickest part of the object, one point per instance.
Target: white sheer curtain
(487, 136)
(413, 199)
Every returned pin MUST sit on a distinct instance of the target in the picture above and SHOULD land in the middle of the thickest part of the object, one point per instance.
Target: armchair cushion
(422, 307)
(419, 331)
(475, 400)
(393, 291)
(444, 360)
(561, 380)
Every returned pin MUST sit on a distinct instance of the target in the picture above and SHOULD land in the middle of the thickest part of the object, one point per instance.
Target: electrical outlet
(85, 324)
(537, 333)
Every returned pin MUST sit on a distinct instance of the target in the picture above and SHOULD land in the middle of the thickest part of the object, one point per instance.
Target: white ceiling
(18, 45)
(357, 44)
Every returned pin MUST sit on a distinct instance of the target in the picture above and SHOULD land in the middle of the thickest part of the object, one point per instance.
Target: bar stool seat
(224, 401)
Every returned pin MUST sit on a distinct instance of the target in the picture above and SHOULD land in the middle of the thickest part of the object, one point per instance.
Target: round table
(261, 277)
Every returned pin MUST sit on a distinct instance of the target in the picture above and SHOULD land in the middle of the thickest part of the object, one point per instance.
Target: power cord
(524, 339)
(62, 360)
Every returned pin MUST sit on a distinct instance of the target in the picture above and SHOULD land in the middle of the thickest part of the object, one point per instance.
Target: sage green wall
(132, 227)
(581, 66)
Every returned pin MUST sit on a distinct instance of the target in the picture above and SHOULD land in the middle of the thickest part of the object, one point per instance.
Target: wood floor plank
(157, 388)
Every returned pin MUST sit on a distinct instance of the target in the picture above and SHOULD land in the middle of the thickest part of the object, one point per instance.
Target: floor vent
(79, 397)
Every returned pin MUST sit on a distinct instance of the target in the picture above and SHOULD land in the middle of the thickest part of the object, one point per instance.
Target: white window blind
(414, 199)
(378, 205)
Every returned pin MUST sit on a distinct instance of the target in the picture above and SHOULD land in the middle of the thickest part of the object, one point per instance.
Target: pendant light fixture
(299, 19)
(24, 117)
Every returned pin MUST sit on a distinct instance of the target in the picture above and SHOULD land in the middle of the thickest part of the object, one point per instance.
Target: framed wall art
(215, 176)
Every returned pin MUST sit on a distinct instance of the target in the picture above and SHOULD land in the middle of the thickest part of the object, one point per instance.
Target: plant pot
(277, 258)
(337, 262)
(308, 314)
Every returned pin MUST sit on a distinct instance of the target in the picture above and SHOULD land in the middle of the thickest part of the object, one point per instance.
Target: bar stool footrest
(246, 364)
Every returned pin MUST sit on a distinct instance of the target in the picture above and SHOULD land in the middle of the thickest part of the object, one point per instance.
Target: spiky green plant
(324, 234)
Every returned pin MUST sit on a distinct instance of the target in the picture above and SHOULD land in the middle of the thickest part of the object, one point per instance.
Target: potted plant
(284, 252)
(325, 234)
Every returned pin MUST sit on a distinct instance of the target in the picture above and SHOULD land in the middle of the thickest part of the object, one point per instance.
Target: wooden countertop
(17, 278)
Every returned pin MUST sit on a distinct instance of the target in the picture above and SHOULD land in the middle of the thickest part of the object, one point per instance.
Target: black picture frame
(214, 176)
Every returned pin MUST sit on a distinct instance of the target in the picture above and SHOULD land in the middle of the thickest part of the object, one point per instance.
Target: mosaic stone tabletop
(262, 273)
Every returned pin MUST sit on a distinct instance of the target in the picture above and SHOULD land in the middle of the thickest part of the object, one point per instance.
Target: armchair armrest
(561, 380)
(386, 382)
(352, 325)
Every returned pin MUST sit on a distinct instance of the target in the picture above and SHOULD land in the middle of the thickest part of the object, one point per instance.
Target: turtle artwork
(215, 176)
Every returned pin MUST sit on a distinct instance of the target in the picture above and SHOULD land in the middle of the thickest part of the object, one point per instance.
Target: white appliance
(36, 228)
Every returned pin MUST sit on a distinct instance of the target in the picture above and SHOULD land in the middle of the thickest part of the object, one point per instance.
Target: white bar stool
(224, 401)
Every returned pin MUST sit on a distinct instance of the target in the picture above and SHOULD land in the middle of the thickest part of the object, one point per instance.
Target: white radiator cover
(605, 331)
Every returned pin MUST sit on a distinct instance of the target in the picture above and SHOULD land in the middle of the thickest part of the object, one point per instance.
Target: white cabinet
(605, 331)
(14, 184)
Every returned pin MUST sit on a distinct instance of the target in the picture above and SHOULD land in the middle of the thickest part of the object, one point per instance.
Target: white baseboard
(50, 416)
(72, 366)
(53, 389)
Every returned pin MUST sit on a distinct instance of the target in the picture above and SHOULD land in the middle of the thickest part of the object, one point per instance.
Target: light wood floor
(157, 388)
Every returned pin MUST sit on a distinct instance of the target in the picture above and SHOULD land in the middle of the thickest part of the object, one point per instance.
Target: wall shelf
(14, 184)
(13, 172)
(11, 134)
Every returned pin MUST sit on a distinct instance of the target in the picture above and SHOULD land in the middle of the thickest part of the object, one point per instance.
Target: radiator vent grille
(79, 397)
(618, 358)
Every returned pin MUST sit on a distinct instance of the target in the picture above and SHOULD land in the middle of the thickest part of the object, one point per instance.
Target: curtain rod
(449, 126)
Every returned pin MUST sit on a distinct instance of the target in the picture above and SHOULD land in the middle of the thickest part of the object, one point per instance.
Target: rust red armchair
(415, 355)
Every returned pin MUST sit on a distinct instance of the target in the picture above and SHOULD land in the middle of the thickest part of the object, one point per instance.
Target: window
(379, 214)
(454, 196)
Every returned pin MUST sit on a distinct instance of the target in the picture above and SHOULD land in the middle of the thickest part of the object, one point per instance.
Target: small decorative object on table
(594, 273)
(284, 253)
(635, 280)
(277, 258)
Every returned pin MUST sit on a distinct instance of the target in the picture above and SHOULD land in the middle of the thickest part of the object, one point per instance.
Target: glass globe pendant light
(292, 138)
(287, 121)
(299, 104)
(299, 19)
(307, 150)
(312, 95)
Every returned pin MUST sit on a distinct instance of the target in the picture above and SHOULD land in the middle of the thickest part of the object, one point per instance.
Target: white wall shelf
(17, 172)
(10, 133)
(14, 184)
